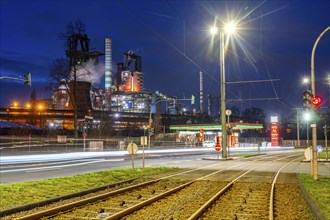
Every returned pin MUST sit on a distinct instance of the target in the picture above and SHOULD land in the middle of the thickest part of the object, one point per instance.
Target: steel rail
(208, 204)
(33, 205)
(29, 206)
(66, 207)
(139, 206)
(69, 206)
(271, 199)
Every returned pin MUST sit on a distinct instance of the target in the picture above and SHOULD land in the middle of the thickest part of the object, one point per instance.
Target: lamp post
(314, 131)
(229, 28)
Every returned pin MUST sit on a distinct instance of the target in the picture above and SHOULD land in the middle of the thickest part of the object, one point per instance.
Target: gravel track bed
(118, 202)
(63, 202)
(188, 176)
(289, 203)
(245, 200)
(182, 204)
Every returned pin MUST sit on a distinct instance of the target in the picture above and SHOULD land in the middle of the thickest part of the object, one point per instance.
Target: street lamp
(314, 131)
(305, 80)
(228, 29)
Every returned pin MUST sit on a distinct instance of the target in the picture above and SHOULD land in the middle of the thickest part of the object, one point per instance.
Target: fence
(14, 144)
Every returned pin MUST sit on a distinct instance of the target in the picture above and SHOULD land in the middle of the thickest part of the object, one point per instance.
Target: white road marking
(31, 170)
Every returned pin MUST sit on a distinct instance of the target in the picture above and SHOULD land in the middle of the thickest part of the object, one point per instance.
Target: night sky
(274, 40)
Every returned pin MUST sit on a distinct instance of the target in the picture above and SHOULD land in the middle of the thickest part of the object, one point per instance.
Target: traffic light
(192, 99)
(316, 102)
(307, 99)
(27, 79)
(310, 101)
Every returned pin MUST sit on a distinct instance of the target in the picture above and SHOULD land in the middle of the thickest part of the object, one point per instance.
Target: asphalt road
(27, 167)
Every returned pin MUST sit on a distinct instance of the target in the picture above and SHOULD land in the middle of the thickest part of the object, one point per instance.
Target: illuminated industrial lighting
(15, 104)
(28, 105)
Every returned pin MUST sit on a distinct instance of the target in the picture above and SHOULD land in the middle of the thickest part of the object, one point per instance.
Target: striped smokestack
(108, 64)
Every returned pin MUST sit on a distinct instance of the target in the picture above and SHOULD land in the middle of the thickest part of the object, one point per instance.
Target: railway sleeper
(78, 218)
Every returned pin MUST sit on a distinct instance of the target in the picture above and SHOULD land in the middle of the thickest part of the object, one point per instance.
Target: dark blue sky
(274, 41)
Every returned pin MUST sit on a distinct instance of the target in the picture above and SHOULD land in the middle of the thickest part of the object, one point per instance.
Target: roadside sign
(132, 148)
(144, 140)
(84, 134)
(307, 153)
(228, 112)
(319, 148)
(217, 147)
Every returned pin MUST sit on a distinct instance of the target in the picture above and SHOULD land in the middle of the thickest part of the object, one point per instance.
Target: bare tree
(73, 27)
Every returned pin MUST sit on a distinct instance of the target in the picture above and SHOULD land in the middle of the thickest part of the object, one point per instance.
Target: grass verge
(16, 194)
(323, 155)
(319, 191)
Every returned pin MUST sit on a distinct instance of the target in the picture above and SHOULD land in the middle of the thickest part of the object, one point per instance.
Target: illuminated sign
(275, 134)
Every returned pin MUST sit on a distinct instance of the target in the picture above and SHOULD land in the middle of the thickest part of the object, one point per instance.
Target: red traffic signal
(316, 101)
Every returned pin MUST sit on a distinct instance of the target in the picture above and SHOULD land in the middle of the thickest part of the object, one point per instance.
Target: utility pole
(75, 120)
(298, 135)
(314, 131)
(326, 130)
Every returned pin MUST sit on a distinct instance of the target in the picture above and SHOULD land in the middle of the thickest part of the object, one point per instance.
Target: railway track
(239, 199)
(202, 190)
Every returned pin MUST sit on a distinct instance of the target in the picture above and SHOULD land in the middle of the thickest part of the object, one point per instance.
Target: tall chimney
(108, 73)
(108, 64)
(201, 91)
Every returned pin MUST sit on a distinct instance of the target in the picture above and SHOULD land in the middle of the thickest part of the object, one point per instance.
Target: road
(29, 167)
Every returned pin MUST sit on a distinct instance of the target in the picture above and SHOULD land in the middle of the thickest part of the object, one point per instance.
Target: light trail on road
(50, 167)
(21, 159)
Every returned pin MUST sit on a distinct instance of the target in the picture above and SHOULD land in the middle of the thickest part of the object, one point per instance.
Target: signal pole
(27, 79)
(314, 131)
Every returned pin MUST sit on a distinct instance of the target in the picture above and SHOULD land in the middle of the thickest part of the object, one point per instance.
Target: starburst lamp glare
(213, 30)
(230, 28)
